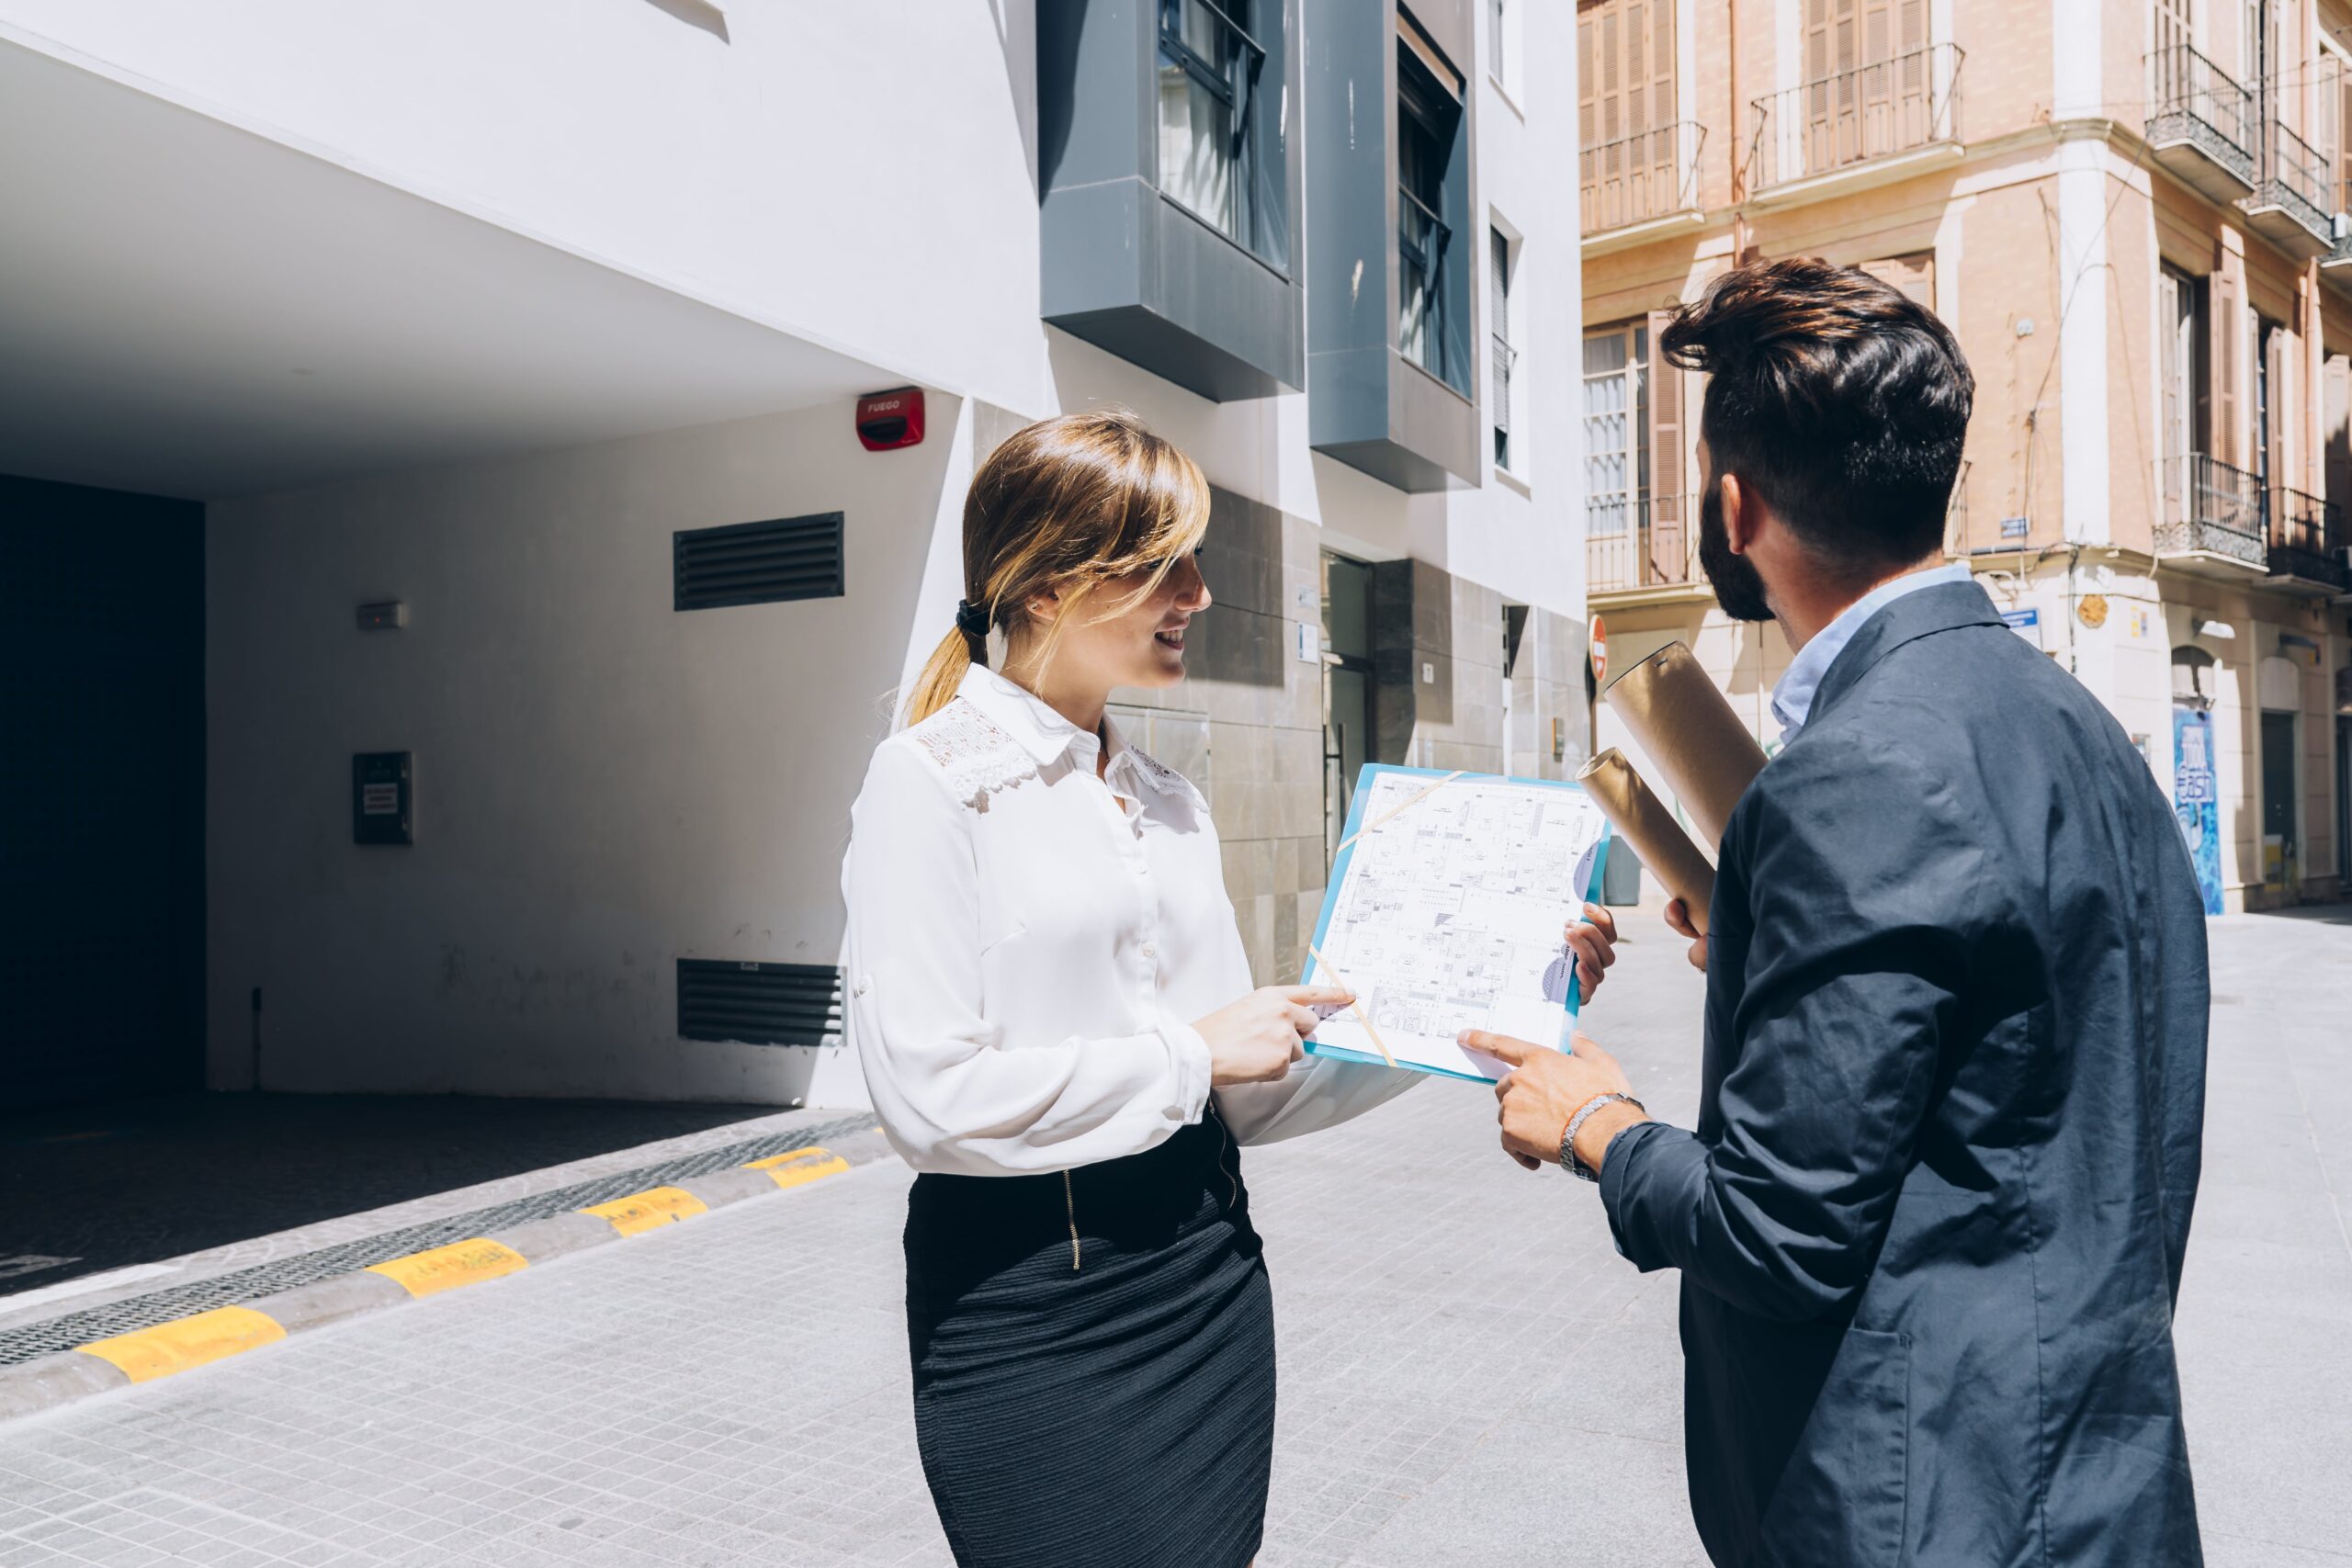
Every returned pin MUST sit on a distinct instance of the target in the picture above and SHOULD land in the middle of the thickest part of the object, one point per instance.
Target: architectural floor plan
(1445, 912)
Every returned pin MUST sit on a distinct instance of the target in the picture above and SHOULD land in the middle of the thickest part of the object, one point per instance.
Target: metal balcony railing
(2293, 179)
(1641, 176)
(2307, 539)
(2194, 103)
(1633, 542)
(1873, 111)
(2204, 504)
(2339, 254)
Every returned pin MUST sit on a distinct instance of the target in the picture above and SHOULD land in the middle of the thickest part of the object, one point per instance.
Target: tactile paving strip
(29, 1341)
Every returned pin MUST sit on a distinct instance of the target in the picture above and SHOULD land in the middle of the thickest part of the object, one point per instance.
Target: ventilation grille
(759, 563)
(759, 1004)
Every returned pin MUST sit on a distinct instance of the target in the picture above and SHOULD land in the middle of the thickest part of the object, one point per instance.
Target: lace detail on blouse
(1167, 779)
(978, 758)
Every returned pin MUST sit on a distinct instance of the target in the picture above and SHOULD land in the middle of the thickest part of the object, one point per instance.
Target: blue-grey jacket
(1931, 1223)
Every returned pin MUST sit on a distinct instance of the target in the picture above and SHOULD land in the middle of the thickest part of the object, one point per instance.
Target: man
(1930, 1225)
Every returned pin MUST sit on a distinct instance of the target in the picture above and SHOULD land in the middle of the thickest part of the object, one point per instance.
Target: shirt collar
(1792, 698)
(1032, 722)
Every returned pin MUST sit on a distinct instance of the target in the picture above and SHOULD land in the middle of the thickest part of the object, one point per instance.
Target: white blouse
(1029, 946)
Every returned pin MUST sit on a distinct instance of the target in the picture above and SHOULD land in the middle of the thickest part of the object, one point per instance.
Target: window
(1496, 23)
(1502, 259)
(1616, 428)
(1428, 119)
(1211, 160)
(1348, 741)
(1633, 461)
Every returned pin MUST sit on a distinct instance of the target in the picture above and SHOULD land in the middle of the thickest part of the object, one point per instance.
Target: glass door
(1347, 690)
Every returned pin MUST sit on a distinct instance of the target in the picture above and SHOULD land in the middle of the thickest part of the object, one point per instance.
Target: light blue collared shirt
(1792, 698)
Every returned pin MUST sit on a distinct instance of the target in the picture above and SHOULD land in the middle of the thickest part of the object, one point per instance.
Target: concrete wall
(603, 784)
(739, 160)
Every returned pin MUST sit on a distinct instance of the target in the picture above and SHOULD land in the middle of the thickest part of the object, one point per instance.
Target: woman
(1051, 1003)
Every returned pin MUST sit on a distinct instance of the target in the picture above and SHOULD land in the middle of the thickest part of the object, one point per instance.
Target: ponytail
(943, 673)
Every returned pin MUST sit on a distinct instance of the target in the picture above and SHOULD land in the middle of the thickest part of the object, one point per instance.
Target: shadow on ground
(133, 1181)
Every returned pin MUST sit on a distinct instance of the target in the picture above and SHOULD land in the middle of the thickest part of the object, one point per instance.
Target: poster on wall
(2195, 800)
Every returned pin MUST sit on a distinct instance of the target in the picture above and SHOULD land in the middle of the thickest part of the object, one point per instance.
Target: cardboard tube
(1690, 736)
(1643, 820)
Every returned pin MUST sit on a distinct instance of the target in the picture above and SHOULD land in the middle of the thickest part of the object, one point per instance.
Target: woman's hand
(1594, 942)
(1678, 919)
(1256, 1039)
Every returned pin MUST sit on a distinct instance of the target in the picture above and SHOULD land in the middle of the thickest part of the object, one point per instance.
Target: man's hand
(1679, 917)
(1594, 942)
(1544, 1088)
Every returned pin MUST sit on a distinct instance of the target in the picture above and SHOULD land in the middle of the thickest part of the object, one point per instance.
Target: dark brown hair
(1068, 505)
(1837, 399)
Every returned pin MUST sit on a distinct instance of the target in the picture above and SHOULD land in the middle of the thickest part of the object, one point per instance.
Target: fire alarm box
(380, 799)
(886, 420)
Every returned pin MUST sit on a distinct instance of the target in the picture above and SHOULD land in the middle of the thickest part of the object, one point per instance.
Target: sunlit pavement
(1469, 1374)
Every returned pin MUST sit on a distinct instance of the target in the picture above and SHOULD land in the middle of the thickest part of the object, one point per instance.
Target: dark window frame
(1236, 84)
(1430, 117)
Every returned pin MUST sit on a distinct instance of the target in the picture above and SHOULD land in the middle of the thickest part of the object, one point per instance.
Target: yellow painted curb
(446, 1268)
(811, 1152)
(800, 1165)
(644, 1210)
(158, 1352)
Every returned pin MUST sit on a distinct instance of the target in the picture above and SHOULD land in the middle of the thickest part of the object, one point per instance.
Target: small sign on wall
(382, 801)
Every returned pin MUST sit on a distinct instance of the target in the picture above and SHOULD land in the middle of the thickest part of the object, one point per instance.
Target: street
(1468, 1375)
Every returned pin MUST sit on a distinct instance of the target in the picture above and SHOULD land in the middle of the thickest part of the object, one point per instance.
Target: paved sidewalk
(734, 1390)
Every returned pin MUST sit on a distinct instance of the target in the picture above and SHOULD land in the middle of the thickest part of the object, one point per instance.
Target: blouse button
(1148, 951)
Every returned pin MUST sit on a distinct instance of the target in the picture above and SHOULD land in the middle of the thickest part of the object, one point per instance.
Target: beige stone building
(2132, 214)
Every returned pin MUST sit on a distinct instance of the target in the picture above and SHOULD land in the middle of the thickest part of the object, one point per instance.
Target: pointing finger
(1503, 1047)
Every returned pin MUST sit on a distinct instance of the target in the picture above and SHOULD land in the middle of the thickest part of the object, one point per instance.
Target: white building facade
(493, 315)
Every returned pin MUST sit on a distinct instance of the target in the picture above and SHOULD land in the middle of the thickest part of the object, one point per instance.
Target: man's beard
(1737, 587)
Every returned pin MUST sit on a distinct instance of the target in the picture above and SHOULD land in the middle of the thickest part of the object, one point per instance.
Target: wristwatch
(1568, 1160)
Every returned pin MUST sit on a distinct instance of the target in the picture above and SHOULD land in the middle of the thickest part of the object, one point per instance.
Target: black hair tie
(971, 620)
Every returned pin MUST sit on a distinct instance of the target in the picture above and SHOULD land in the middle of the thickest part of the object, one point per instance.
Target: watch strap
(1568, 1160)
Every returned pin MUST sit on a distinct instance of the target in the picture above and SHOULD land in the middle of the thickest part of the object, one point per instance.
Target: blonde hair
(1065, 505)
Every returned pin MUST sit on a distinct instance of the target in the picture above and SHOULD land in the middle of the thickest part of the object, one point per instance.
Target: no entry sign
(1600, 652)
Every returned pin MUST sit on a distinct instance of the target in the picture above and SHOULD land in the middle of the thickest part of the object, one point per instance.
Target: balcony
(1641, 546)
(2201, 124)
(2210, 518)
(1856, 128)
(2336, 266)
(1642, 186)
(2307, 541)
(2290, 205)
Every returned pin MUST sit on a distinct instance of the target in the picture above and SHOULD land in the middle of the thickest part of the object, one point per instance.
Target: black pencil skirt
(1094, 1361)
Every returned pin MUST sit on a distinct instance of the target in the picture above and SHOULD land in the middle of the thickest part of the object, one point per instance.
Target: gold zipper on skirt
(1069, 1197)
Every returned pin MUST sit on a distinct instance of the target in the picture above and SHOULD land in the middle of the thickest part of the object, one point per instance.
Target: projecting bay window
(1432, 325)
(1210, 158)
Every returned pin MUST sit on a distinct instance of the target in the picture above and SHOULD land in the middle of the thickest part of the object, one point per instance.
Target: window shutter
(1914, 274)
(2171, 405)
(2274, 465)
(2224, 318)
(1669, 544)
(2172, 25)
(2338, 431)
